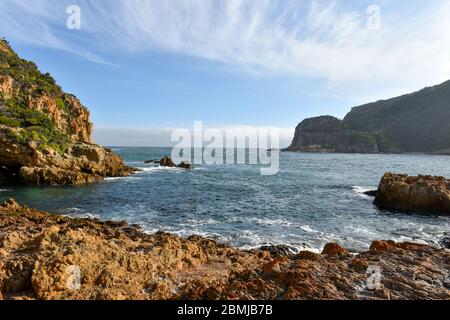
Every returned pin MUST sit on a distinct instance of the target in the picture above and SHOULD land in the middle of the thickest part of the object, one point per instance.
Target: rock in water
(371, 193)
(167, 162)
(46, 136)
(446, 242)
(417, 194)
(185, 165)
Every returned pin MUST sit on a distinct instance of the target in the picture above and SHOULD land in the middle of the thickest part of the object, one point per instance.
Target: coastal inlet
(314, 199)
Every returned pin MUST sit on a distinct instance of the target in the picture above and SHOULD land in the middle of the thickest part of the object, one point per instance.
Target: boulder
(333, 249)
(185, 165)
(167, 162)
(426, 194)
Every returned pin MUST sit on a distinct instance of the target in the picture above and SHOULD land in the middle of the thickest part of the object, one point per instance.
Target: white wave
(360, 191)
(159, 168)
(308, 229)
(271, 222)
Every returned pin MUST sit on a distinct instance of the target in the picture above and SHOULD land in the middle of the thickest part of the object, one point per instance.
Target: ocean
(313, 200)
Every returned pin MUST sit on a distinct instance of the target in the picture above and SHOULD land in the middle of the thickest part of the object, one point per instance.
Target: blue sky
(146, 67)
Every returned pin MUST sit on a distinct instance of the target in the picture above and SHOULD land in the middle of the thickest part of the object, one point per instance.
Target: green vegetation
(35, 126)
(61, 104)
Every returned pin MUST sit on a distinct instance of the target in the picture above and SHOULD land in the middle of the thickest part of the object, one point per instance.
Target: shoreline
(117, 261)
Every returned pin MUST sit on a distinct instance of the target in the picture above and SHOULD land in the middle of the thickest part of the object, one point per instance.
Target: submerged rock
(150, 161)
(417, 194)
(40, 252)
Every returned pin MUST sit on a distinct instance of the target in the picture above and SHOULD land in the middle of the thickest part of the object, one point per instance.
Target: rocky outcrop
(167, 162)
(329, 134)
(45, 256)
(46, 136)
(185, 165)
(415, 194)
(417, 122)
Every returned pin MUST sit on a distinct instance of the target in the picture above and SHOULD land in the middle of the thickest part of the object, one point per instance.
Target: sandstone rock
(11, 204)
(58, 148)
(381, 246)
(334, 249)
(116, 261)
(425, 194)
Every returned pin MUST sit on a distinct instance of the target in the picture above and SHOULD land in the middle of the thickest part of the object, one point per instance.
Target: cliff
(42, 256)
(414, 123)
(45, 133)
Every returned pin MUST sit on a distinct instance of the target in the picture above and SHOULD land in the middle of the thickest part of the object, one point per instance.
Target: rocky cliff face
(329, 134)
(417, 122)
(45, 133)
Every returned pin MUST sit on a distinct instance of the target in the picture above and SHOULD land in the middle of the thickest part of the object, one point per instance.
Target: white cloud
(323, 40)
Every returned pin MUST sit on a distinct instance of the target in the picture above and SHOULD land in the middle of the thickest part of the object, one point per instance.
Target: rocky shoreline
(118, 261)
(46, 136)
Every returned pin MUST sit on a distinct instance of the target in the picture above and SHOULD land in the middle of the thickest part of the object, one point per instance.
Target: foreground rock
(41, 253)
(46, 136)
(417, 194)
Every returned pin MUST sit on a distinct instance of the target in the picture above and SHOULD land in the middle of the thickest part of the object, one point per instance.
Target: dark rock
(371, 193)
(445, 242)
(167, 162)
(150, 161)
(403, 124)
(279, 250)
(332, 249)
(185, 165)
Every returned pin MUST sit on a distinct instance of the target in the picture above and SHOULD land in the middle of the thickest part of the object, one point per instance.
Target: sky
(147, 67)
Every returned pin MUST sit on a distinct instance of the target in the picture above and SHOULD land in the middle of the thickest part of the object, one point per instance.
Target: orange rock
(332, 249)
(11, 204)
(382, 245)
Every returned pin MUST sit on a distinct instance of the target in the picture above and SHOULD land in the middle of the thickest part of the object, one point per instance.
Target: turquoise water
(314, 199)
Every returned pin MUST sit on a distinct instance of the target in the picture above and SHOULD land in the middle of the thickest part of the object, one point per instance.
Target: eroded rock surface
(39, 253)
(419, 194)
